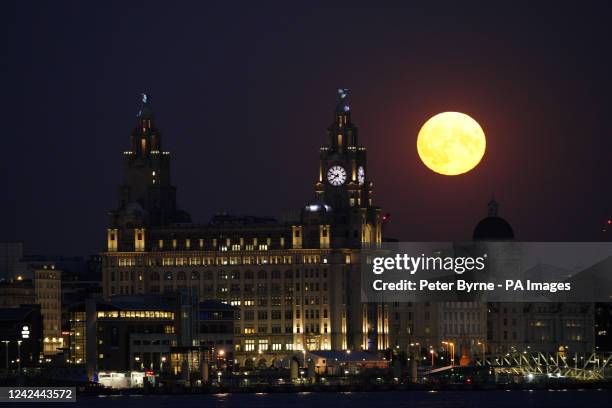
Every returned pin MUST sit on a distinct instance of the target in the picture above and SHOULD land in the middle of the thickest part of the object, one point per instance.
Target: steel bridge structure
(594, 366)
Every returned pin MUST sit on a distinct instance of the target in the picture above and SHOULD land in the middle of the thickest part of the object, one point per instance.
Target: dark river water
(391, 399)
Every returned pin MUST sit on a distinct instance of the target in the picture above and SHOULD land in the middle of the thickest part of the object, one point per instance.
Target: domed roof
(493, 227)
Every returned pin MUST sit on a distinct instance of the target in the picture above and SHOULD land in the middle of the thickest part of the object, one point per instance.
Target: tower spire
(493, 208)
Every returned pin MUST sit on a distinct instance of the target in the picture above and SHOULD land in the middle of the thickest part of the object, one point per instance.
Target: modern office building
(163, 333)
(125, 334)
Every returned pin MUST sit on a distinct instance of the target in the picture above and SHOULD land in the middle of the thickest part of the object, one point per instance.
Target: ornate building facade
(296, 283)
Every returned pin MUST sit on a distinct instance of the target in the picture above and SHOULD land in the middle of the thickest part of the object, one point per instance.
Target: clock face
(361, 175)
(336, 175)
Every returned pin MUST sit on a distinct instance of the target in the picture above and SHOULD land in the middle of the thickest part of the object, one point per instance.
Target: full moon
(451, 143)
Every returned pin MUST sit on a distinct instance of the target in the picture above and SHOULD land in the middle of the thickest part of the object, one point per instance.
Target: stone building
(296, 283)
(48, 293)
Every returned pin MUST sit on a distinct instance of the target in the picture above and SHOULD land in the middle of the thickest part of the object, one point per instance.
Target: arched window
(181, 276)
(195, 275)
(262, 275)
(155, 276)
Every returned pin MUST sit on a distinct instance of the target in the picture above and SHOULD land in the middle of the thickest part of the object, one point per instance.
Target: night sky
(243, 94)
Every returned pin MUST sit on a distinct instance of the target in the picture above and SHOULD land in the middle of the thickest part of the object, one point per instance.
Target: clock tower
(343, 183)
(343, 179)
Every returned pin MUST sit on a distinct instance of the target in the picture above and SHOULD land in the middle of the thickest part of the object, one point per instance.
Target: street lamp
(304, 352)
(19, 356)
(483, 351)
(451, 351)
(431, 351)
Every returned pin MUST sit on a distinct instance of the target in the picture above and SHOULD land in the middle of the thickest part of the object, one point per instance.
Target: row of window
(222, 245)
(135, 314)
(222, 275)
(219, 260)
(263, 345)
(249, 315)
(310, 328)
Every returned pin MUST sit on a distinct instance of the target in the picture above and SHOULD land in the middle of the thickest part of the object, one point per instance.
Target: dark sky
(243, 94)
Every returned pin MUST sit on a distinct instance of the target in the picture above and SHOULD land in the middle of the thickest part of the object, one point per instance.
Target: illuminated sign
(25, 332)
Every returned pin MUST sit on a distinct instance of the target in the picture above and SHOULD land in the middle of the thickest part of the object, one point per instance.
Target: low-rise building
(163, 333)
(122, 334)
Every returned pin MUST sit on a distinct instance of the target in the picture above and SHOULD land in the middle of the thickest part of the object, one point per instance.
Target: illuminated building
(45, 290)
(295, 282)
(48, 291)
(125, 334)
(149, 332)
